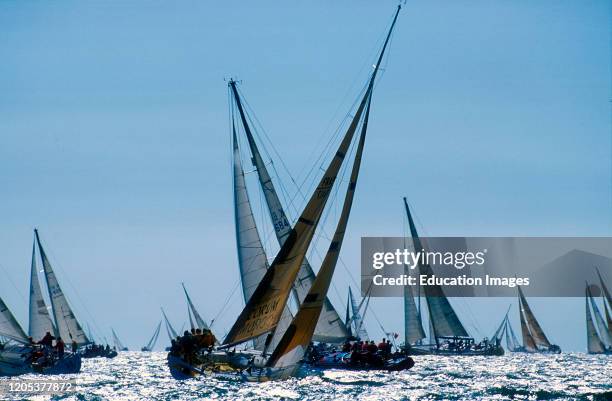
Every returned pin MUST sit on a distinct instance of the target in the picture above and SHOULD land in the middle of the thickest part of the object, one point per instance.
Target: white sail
(330, 328)
(67, 325)
(9, 327)
(252, 259)
(594, 343)
(604, 335)
(40, 321)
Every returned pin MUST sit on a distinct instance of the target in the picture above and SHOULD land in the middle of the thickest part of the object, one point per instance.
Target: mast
(40, 321)
(67, 325)
(330, 327)
(442, 316)
(534, 327)
(594, 343)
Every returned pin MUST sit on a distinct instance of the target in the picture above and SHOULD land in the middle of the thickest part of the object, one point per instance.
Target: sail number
(280, 221)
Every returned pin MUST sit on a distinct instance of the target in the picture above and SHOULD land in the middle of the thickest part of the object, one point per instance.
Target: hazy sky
(492, 117)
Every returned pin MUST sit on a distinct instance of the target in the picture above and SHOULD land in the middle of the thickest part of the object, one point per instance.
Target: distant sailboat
(505, 330)
(151, 344)
(355, 322)
(598, 339)
(199, 322)
(64, 324)
(534, 339)
(117, 342)
(448, 335)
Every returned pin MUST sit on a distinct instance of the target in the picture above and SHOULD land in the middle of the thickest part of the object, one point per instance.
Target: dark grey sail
(594, 343)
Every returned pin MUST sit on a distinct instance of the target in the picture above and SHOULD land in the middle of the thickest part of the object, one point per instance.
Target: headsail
(347, 320)
(511, 341)
(67, 325)
(442, 316)
(534, 327)
(9, 327)
(594, 343)
(528, 341)
(252, 259)
(330, 327)
(40, 321)
(169, 329)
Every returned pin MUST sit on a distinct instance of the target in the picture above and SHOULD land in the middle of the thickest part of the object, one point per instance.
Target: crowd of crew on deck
(44, 352)
(190, 345)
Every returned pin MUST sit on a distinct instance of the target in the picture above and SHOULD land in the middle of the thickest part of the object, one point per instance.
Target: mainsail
(442, 316)
(67, 325)
(594, 343)
(511, 341)
(9, 327)
(330, 327)
(252, 259)
(153, 340)
(263, 310)
(413, 326)
(528, 341)
(201, 324)
(534, 327)
(169, 329)
(40, 321)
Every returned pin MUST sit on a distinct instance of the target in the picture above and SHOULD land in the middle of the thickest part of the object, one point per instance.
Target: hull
(216, 362)
(13, 364)
(552, 350)
(346, 361)
(432, 350)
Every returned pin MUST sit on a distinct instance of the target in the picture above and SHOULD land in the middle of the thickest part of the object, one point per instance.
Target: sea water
(145, 376)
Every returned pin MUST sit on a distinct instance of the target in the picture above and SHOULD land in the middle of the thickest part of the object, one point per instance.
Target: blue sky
(492, 117)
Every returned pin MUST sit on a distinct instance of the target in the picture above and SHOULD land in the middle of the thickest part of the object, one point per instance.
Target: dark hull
(342, 360)
(496, 351)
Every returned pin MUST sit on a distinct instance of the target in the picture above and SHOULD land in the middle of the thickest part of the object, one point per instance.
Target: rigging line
(49, 251)
(225, 304)
(6, 273)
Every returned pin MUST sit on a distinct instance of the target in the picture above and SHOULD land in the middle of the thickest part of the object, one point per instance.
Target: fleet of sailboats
(270, 340)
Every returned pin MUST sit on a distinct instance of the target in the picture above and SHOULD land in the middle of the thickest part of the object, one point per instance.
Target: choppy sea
(145, 376)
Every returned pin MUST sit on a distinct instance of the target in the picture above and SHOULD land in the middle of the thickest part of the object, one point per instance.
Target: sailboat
(599, 335)
(151, 343)
(505, 330)
(448, 336)
(534, 339)
(354, 323)
(117, 342)
(195, 319)
(22, 358)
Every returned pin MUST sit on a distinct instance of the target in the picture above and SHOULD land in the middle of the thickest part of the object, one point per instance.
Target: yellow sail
(294, 343)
